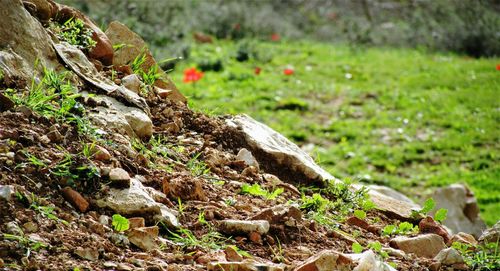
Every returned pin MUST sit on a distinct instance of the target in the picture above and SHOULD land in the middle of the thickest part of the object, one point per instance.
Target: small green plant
(360, 214)
(429, 204)
(120, 223)
(25, 242)
(375, 246)
(197, 167)
(278, 254)
(403, 228)
(256, 190)
(75, 33)
(187, 239)
(484, 257)
(440, 215)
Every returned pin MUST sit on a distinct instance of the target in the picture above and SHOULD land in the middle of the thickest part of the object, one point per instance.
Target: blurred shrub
(464, 26)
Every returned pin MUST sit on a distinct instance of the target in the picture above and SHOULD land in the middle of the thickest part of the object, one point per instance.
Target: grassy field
(408, 119)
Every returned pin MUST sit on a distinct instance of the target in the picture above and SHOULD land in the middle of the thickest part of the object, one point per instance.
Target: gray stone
(449, 256)
(393, 207)
(368, 261)
(124, 119)
(491, 235)
(23, 41)
(463, 211)
(132, 82)
(393, 194)
(7, 191)
(326, 260)
(136, 201)
(426, 245)
(231, 226)
(119, 177)
(269, 146)
(246, 156)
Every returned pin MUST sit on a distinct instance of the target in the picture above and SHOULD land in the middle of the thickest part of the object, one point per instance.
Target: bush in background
(465, 26)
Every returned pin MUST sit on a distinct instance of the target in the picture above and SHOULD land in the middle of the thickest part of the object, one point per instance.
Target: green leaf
(405, 227)
(440, 215)
(389, 229)
(360, 214)
(120, 223)
(429, 204)
(357, 248)
(376, 246)
(275, 193)
(367, 205)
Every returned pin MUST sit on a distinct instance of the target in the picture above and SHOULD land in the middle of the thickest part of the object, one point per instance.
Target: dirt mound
(95, 175)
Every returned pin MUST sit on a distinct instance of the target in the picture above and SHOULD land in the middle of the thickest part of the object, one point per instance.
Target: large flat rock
(276, 154)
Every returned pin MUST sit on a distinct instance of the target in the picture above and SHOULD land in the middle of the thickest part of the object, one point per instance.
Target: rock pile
(135, 180)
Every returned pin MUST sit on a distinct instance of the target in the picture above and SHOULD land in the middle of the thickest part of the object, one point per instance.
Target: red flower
(192, 75)
(288, 71)
(257, 70)
(498, 67)
(275, 37)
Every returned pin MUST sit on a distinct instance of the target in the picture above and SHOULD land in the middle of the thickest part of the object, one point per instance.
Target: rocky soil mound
(104, 167)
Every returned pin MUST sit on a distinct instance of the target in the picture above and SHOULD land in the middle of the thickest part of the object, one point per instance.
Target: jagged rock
(491, 235)
(247, 157)
(426, 245)
(368, 261)
(136, 222)
(144, 237)
(231, 226)
(246, 265)
(23, 41)
(119, 177)
(393, 194)
(185, 188)
(124, 119)
(464, 238)
(135, 200)
(428, 225)
(463, 211)
(7, 191)
(326, 260)
(132, 82)
(119, 33)
(91, 254)
(279, 214)
(75, 198)
(276, 153)
(363, 224)
(391, 206)
(449, 256)
(79, 63)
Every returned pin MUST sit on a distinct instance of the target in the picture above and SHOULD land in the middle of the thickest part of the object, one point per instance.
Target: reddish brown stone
(75, 198)
(255, 237)
(428, 225)
(362, 224)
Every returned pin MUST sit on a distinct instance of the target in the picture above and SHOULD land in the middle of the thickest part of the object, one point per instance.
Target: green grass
(404, 118)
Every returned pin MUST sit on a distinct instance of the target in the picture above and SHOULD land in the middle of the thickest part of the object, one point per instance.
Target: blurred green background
(399, 93)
